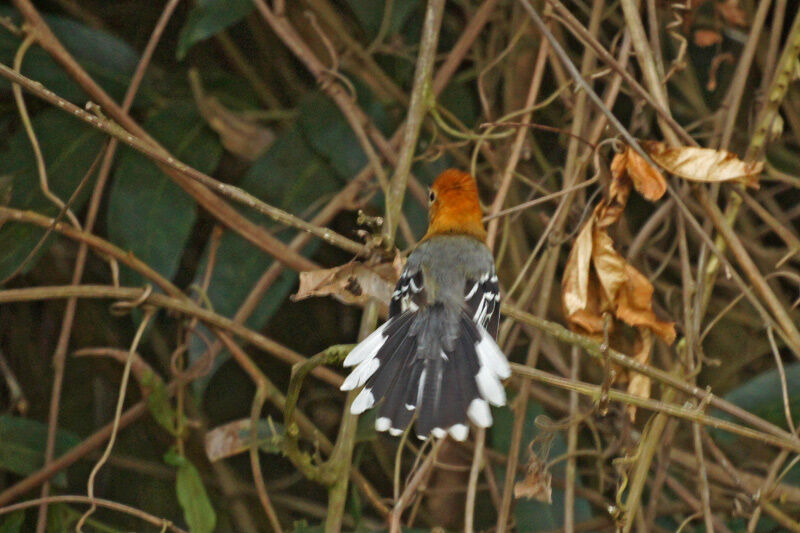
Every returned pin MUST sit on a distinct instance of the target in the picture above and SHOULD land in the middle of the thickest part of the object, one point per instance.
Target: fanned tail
(434, 363)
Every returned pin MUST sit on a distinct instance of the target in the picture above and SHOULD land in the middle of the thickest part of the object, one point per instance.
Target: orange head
(454, 206)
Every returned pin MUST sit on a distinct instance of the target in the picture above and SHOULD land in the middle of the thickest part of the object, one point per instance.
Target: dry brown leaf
(239, 135)
(226, 440)
(639, 384)
(610, 211)
(588, 321)
(629, 169)
(704, 164)
(608, 265)
(635, 306)
(647, 180)
(597, 279)
(353, 283)
(537, 483)
(619, 166)
(620, 187)
(575, 282)
(704, 38)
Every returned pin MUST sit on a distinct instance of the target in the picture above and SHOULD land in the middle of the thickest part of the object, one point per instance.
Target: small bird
(436, 356)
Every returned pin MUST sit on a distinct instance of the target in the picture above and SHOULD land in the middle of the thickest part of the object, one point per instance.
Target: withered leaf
(635, 305)
(647, 180)
(239, 135)
(537, 483)
(639, 384)
(620, 187)
(608, 265)
(629, 168)
(590, 319)
(234, 438)
(619, 165)
(575, 282)
(704, 164)
(609, 212)
(353, 283)
(597, 279)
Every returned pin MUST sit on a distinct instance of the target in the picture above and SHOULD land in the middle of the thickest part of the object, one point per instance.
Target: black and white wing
(482, 297)
(409, 293)
(434, 361)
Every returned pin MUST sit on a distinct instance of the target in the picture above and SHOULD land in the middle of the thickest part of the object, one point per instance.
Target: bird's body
(436, 356)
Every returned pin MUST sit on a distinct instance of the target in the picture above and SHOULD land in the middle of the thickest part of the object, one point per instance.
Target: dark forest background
(168, 169)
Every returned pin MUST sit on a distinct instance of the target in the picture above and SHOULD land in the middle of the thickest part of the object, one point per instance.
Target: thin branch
(472, 485)
(416, 114)
(250, 231)
(516, 147)
(182, 306)
(60, 353)
(108, 504)
(663, 407)
(594, 349)
(416, 480)
(123, 388)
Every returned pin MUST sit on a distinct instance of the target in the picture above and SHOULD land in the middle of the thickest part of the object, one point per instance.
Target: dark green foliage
(68, 148)
(149, 214)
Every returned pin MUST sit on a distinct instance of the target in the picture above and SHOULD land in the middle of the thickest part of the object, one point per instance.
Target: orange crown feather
(455, 208)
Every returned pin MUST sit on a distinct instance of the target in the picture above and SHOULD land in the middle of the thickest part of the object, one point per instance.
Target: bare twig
(108, 504)
(148, 314)
(59, 355)
(416, 113)
(472, 485)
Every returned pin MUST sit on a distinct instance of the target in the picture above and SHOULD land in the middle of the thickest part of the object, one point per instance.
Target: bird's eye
(431, 196)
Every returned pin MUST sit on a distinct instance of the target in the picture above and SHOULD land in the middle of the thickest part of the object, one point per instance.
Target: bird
(435, 361)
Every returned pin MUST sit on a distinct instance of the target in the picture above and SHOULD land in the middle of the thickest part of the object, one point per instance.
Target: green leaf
(22, 445)
(331, 136)
(289, 175)
(107, 59)
(784, 158)
(158, 402)
(13, 522)
(208, 18)
(69, 148)
(762, 396)
(371, 14)
(149, 214)
(532, 515)
(197, 509)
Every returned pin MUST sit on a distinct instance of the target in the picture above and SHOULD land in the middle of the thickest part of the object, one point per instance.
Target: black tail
(443, 369)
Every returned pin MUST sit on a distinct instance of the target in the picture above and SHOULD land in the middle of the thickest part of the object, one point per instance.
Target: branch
(184, 307)
(595, 350)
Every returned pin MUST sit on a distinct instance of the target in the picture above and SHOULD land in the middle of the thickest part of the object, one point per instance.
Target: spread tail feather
(447, 377)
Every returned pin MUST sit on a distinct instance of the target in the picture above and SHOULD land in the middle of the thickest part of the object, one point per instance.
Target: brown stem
(59, 356)
(179, 305)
